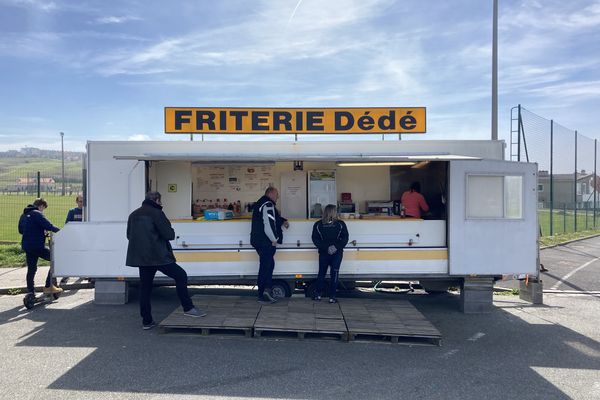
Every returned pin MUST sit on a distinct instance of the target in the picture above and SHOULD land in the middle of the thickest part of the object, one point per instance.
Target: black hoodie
(33, 226)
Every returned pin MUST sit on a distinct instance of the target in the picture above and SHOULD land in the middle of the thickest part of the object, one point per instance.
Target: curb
(569, 241)
(69, 286)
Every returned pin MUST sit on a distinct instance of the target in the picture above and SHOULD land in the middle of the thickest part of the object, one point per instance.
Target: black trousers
(266, 256)
(32, 260)
(333, 262)
(174, 272)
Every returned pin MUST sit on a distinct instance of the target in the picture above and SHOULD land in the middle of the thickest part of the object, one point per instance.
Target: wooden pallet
(302, 319)
(388, 321)
(226, 315)
(349, 320)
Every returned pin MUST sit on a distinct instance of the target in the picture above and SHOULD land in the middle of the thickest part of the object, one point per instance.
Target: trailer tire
(435, 286)
(311, 289)
(281, 289)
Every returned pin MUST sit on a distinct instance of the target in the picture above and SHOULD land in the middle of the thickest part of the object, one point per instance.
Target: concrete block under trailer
(475, 242)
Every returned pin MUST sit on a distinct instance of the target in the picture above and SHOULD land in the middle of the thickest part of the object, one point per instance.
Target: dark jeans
(174, 272)
(32, 260)
(325, 261)
(265, 270)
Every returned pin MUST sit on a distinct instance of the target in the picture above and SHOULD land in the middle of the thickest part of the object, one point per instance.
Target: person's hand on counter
(286, 224)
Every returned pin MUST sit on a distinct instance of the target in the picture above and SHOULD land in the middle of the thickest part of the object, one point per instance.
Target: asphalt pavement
(574, 267)
(73, 349)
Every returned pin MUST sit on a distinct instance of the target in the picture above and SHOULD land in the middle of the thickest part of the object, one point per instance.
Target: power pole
(495, 72)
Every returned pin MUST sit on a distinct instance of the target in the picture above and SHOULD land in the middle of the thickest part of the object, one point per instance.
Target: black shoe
(149, 326)
(332, 301)
(270, 298)
(317, 298)
(263, 300)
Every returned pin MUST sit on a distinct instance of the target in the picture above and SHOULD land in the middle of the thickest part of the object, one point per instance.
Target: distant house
(30, 184)
(563, 190)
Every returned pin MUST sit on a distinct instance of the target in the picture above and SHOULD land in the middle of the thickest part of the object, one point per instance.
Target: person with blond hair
(330, 236)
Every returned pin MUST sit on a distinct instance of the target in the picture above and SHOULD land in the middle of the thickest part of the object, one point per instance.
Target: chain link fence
(23, 180)
(567, 162)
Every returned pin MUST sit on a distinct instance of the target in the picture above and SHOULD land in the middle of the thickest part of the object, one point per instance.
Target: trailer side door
(493, 225)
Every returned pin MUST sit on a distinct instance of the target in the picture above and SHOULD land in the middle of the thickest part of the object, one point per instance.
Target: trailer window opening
(494, 197)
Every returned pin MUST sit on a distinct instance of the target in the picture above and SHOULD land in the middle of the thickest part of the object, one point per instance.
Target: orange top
(413, 203)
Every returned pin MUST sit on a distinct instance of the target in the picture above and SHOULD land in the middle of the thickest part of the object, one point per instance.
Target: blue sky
(104, 70)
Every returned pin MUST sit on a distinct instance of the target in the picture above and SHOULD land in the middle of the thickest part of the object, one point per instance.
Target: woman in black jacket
(330, 235)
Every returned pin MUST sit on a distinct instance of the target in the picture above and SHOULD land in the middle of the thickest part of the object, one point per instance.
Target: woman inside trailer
(330, 236)
(413, 201)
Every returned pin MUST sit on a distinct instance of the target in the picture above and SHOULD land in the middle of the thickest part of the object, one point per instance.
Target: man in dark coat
(33, 225)
(149, 232)
(266, 233)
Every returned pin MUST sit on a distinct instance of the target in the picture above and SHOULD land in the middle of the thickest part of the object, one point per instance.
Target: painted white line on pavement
(476, 336)
(570, 274)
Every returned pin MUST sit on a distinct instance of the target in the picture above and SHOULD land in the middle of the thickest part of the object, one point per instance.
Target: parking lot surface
(73, 349)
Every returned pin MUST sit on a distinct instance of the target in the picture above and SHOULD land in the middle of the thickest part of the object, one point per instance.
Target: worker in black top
(330, 235)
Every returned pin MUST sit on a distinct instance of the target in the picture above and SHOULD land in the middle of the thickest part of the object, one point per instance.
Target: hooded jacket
(325, 235)
(266, 224)
(149, 232)
(33, 226)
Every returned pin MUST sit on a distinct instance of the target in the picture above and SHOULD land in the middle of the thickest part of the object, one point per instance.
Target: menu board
(245, 183)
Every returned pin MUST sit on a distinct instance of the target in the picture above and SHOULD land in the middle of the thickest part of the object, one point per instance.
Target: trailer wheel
(435, 286)
(281, 289)
(311, 289)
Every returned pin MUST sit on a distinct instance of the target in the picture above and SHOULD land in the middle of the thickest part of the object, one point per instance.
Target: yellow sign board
(295, 120)
(172, 187)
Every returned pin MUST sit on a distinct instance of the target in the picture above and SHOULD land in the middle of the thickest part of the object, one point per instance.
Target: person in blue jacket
(330, 236)
(33, 225)
(76, 214)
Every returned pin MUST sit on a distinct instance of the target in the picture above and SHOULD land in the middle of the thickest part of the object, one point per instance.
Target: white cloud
(35, 4)
(317, 30)
(112, 19)
(139, 137)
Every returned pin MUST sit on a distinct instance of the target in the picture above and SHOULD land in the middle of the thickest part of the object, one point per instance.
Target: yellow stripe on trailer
(363, 255)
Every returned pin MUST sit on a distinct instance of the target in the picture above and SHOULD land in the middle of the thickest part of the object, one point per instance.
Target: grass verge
(566, 237)
(11, 256)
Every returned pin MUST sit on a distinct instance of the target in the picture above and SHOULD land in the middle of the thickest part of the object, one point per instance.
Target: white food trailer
(483, 222)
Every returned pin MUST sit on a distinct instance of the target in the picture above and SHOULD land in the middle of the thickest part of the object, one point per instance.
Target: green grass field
(12, 205)
(565, 223)
(12, 168)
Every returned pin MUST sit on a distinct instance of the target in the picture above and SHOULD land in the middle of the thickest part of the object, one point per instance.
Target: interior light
(420, 164)
(375, 164)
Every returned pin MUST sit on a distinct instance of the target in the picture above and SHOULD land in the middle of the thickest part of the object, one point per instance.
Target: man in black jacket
(33, 225)
(266, 233)
(149, 232)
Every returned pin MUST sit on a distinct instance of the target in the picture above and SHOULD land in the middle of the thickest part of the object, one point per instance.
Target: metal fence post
(586, 215)
(564, 217)
(575, 187)
(38, 185)
(551, 177)
(595, 183)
